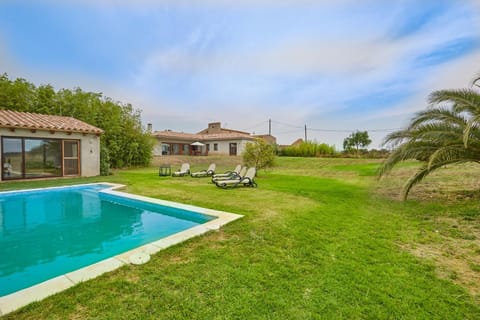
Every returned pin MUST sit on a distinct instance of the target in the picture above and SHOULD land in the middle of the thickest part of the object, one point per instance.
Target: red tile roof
(201, 137)
(36, 121)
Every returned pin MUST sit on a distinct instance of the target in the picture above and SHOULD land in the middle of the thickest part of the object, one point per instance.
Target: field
(320, 239)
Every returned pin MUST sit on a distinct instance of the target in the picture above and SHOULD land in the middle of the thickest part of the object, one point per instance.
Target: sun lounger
(184, 170)
(248, 180)
(228, 173)
(205, 173)
(230, 176)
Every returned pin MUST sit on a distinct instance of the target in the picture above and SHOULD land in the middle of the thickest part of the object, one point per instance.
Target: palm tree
(447, 132)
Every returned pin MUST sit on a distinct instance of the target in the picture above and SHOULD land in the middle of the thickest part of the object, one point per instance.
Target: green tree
(356, 141)
(124, 142)
(447, 132)
(259, 154)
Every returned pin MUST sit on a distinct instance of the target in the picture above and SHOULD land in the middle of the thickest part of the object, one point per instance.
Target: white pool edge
(47, 288)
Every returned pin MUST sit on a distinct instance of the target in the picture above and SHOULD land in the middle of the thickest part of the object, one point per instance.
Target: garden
(321, 238)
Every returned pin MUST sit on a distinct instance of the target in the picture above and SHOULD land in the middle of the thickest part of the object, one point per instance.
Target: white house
(41, 146)
(212, 140)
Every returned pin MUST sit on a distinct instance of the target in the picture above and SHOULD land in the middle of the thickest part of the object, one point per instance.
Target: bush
(259, 154)
(308, 149)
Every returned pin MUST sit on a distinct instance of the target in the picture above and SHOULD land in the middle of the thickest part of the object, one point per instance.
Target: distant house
(41, 146)
(297, 142)
(213, 140)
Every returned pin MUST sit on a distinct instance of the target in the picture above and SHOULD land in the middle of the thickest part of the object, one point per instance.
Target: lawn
(320, 239)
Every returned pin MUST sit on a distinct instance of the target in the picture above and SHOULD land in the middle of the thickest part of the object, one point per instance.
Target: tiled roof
(177, 135)
(201, 137)
(226, 136)
(223, 130)
(36, 121)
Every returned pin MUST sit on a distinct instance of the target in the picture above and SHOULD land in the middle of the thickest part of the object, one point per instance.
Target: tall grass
(308, 149)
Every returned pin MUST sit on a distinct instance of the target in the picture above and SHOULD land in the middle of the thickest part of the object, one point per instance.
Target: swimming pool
(47, 233)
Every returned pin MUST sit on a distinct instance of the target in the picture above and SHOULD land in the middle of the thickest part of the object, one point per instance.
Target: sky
(332, 66)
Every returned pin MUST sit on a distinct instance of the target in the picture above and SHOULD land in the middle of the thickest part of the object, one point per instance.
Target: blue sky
(336, 66)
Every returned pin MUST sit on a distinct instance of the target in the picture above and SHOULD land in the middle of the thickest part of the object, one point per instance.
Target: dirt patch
(451, 183)
(455, 253)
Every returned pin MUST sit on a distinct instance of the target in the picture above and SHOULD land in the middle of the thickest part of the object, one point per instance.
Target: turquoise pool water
(47, 233)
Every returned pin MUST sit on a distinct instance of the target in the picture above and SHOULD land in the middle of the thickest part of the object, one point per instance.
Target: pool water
(50, 232)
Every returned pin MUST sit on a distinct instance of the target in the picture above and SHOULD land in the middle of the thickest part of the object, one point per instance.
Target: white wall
(224, 146)
(90, 154)
(89, 147)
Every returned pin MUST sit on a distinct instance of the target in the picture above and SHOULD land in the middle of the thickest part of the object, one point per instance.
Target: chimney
(214, 127)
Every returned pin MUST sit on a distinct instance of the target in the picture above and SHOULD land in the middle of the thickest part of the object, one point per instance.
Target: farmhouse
(213, 140)
(41, 146)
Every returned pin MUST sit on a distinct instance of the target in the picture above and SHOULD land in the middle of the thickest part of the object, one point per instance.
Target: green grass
(316, 242)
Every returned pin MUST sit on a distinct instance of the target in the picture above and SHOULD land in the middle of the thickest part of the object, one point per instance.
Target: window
(42, 158)
(12, 158)
(215, 147)
(24, 158)
(233, 149)
(208, 147)
(186, 149)
(176, 149)
(70, 158)
(165, 149)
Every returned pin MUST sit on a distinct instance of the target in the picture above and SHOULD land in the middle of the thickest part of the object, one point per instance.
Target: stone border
(18, 299)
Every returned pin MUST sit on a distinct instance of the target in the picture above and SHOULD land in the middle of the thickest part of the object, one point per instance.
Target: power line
(288, 125)
(334, 130)
(346, 130)
(287, 132)
(255, 126)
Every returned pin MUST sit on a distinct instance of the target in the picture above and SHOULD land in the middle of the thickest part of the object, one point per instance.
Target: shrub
(259, 154)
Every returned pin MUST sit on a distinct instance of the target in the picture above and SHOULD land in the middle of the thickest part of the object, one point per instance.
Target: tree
(259, 154)
(124, 142)
(356, 140)
(447, 132)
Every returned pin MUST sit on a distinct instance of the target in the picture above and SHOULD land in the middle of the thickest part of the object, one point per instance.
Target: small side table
(165, 170)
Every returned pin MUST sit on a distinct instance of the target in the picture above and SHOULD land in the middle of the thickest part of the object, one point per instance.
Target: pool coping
(18, 299)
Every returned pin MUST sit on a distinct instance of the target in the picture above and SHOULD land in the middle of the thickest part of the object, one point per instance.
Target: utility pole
(269, 127)
(305, 133)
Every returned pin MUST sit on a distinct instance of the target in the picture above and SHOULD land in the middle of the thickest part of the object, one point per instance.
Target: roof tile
(27, 120)
(202, 137)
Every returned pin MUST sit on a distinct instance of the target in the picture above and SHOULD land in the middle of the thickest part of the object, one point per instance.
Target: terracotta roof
(227, 136)
(200, 137)
(223, 130)
(36, 121)
(177, 135)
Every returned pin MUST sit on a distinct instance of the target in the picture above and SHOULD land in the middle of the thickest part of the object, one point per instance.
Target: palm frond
(448, 154)
(440, 114)
(439, 135)
(473, 123)
(462, 100)
(476, 81)
(422, 173)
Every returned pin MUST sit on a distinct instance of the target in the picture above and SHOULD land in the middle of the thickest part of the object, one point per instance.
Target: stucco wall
(90, 155)
(89, 147)
(224, 146)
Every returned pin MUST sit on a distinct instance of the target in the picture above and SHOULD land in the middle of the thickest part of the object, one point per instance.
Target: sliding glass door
(24, 158)
(12, 158)
(43, 158)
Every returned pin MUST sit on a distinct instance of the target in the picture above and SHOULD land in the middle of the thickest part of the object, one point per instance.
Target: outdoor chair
(248, 180)
(232, 175)
(205, 173)
(184, 170)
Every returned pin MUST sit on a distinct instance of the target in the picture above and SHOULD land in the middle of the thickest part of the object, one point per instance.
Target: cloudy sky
(334, 66)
